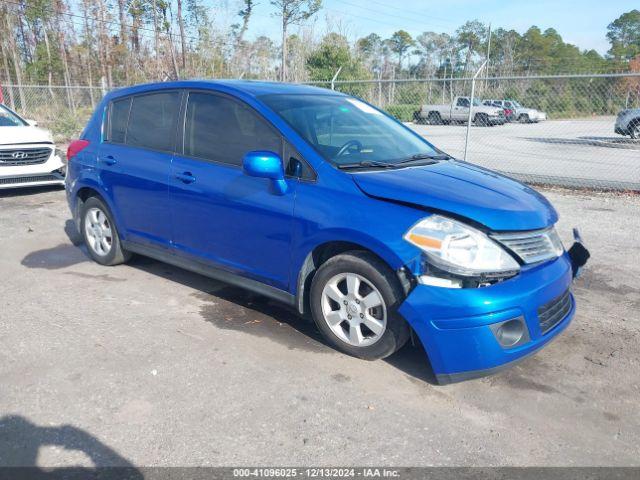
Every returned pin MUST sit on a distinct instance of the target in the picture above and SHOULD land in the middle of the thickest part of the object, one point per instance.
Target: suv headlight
(460, 249)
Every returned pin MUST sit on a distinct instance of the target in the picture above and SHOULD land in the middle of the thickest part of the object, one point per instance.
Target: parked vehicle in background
(458, 111)
(28, 156)
(628, 123)
(509, 113)
(520, 114)
(319, 200)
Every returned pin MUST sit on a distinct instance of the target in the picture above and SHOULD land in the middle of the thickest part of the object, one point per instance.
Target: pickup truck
(458, 111)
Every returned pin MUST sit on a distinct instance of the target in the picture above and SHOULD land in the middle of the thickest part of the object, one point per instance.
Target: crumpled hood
(12, 135)
(495, 201)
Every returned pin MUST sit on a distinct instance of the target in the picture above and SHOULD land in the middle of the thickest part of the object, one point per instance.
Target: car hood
(495, 201)
(17, 135)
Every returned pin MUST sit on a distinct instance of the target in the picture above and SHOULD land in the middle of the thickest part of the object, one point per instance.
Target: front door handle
(108, 160)
(185, 177)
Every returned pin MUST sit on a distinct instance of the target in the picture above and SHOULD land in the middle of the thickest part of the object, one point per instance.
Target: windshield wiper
(421, 157)
(365, 164)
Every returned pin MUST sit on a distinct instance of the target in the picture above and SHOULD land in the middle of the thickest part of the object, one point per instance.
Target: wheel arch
(91, 189)
(322, 252)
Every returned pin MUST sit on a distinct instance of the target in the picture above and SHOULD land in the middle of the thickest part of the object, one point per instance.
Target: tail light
(75, 148)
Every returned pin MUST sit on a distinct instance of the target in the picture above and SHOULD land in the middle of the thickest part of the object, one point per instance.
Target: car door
(461, 109)
(220, 215)
(134, 162)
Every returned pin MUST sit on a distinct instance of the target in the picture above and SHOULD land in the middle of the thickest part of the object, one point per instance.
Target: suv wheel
(354, 297)
(634, 129)
(524, 118)
(100, 234)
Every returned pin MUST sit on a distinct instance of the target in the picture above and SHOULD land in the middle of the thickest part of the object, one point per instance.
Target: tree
(400, 42)
(471, 37)
(292, 12)
(624, 36)
(333, 53)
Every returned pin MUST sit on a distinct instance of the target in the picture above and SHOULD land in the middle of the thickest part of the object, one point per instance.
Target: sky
(580, 22)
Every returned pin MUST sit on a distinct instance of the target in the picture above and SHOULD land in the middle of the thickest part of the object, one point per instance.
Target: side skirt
(210, 271)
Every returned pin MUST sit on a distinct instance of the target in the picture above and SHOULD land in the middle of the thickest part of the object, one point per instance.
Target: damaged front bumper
(473, 332)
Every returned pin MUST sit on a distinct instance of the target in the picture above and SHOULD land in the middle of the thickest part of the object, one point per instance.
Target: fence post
(473, 91)
(333, 80)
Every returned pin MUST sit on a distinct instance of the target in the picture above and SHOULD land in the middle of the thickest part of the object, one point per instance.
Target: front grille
(24, 156)
(532, 246)
(29, 179)
(553, 312)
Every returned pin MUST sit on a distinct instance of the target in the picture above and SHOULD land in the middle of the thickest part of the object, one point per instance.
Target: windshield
(515, 104)
(345, 130)
(10, 119)
(476, 102)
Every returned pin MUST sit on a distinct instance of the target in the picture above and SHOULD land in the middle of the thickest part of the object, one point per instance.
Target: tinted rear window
(152, 121)
(118, 120)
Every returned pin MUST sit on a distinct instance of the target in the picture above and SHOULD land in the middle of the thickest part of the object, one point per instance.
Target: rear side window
(118, 118)
(223, 130)
(152, 121)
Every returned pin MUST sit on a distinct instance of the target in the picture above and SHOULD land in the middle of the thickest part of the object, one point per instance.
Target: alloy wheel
(98, 231)
(354, 309)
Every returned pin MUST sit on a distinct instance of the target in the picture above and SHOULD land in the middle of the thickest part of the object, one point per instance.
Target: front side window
(345, 130)
(463, 102)
(223, 130)
(10, 119)
(153, 120)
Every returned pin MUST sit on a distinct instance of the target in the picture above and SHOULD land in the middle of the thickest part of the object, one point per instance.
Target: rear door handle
(186, 177)
(108, 160)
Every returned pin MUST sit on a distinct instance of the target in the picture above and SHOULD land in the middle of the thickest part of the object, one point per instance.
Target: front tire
(100, 234)
(634, 130)
(354, 300)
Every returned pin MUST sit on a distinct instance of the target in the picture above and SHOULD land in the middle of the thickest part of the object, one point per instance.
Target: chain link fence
(63, 110)
(556, 130)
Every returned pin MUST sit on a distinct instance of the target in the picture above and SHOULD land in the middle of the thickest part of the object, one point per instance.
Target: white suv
(518, 112)
(28, 156)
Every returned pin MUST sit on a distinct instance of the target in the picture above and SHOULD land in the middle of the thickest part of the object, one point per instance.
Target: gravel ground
(147, 364)
(578, 152)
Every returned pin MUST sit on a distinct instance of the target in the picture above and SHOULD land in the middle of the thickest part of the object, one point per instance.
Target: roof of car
(251, 87)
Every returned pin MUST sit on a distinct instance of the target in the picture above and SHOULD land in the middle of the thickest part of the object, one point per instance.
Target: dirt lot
(152, 365)
(577, 152)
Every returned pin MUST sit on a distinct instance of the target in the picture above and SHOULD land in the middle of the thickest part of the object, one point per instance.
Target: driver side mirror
(31, 123)
(265, 164)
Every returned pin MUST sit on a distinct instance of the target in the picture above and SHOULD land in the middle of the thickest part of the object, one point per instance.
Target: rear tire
(634, 130)
(100, 234)
(434, 118)
(354, 299)
(481, 120)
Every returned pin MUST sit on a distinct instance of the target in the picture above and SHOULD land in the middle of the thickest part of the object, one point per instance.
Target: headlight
(460, 249)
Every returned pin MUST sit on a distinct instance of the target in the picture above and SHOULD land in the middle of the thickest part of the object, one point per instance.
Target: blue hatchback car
(323, 202)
